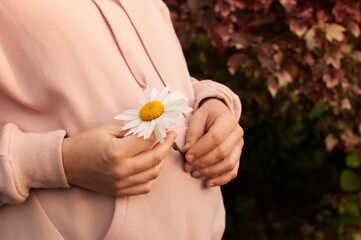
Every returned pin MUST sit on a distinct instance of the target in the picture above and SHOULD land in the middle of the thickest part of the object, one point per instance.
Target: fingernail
(196, 174)
(211, 184)
(187, 145)
(190, 157)
(174, 134)
(189, 168)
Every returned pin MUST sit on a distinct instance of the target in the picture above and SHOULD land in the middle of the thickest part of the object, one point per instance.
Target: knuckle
(223, 151)
(241, 131)
(235, 174)
(229, 166)
(199, 164)
(112, 153)
(216, 138)
(109, 152)
(242, 142)
(120, 174)
(157, 158)
(221, 182)
(146, 189)
(205, 172)
(119, 194)
(154, 175)
(233, 122)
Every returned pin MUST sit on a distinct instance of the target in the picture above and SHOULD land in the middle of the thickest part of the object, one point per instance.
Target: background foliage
(296, 67)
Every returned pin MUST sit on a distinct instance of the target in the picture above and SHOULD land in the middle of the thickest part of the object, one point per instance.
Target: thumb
(197, 128)
(115, 130)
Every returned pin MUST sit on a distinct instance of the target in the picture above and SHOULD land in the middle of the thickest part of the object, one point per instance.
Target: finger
(226, 165)
(221, 128)
(135, 145)
(142, 177)
(135, 190)
(115, 130)
(151, 157)
(217, 154)
(197, 127)
(224, 178)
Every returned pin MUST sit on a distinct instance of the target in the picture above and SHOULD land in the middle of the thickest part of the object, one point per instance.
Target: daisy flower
(158, 113)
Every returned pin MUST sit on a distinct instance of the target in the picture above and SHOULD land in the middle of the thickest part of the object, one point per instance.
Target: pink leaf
(330, 81)
(308, 59)
(354, 28)
(310, 38)
(224, 31)
(331, 142)
(237, 4)
(298, 28)
(334, 58)
(241, 38)
(345, 104)
(272, 86)
(334, 31)
(266, 62)
(235, 62)
(284, 78)
(289, 5)
(223, 8)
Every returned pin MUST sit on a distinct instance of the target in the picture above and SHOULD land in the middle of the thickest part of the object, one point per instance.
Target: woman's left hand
(214, 143)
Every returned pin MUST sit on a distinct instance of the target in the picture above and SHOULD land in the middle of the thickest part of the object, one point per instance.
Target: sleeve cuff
(34, 160)
(210, 89)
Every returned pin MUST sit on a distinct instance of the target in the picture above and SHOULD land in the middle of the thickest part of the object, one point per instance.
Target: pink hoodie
(67, 66)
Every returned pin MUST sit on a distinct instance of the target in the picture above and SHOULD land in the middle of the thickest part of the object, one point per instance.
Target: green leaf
(349, 181)
(318, 111)
(353, 160)
(352, 208)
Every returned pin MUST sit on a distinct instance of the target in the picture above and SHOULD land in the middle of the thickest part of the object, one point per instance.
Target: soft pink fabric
(68, 66)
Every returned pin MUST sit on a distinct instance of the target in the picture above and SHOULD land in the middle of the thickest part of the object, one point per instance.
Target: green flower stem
(175, 147)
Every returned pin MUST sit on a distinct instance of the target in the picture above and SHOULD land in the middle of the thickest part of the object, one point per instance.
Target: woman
(67, 171)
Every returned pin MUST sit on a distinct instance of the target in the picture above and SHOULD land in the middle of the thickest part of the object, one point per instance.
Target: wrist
(211, 99)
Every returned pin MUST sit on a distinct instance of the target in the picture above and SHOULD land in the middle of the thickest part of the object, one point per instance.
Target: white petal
(161, 131)
(126, 116)
(131, 111)
(149, 129)
(163, 93)
(170, 115)
(158, 135)
(176, 103)
(172, 97)
(163, 122)
(140, 128)
(132, 124)
(142, 102)
(154, 94)
(181, 109)
(147, 95)
(176, 95)
(140, 134)
(128, 133)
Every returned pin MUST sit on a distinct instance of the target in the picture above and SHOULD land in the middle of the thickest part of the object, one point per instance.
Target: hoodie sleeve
(29, 160)
(205, 88)
(210, 89)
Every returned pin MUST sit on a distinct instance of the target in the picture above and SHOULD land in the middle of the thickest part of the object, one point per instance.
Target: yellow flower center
(151, 111)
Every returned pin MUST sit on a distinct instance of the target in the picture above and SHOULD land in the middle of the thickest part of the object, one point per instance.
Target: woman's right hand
(103, 160)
